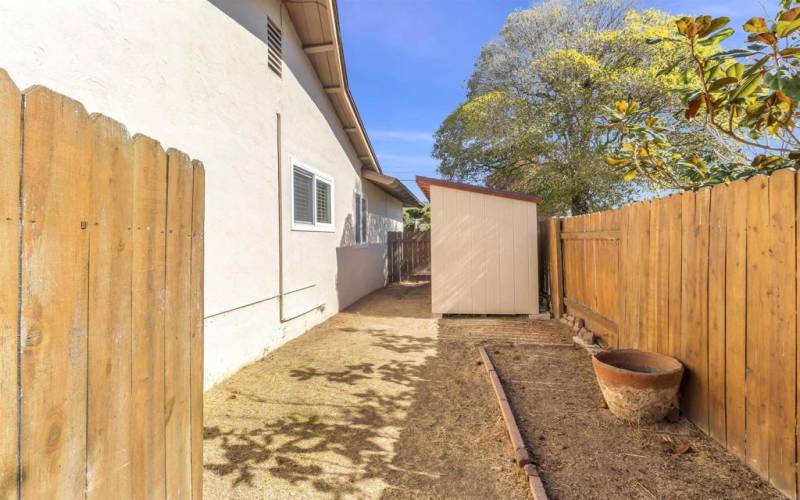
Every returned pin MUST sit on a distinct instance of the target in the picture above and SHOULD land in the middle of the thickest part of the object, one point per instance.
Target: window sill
(313, 229)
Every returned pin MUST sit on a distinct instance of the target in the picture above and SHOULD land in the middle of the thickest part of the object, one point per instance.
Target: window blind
(303, 200)
(323, 202)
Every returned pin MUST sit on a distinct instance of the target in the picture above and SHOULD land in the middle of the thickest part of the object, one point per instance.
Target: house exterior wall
(484, 255)
(194, 75)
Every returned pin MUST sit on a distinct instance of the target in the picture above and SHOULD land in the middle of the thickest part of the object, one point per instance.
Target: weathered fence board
(110, 262)
(196, 326)
(101, 309)
(10, 133)
(781, 338)
(55, 257)
(736, 318)
(149, 268)
(711, 278)
(177, 348)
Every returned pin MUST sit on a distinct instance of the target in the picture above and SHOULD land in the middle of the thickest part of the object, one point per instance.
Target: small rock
(586, 335)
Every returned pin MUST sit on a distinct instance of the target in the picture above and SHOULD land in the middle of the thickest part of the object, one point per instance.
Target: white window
(312, 199)
(361, 218)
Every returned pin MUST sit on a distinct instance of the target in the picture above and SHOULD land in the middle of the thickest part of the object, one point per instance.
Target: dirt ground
(377, 402)
(583, 451)
(383, 402)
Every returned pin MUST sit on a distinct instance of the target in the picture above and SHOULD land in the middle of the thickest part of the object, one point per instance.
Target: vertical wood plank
(492, 241)
(675, 274)
(196, 319)
(522, 268)
(478, 263)
(781, 347)
(109, 343)
(177, 335)
(506, 256)
(148, 310)
(661, 275)
(759, 323)
(694, 309)
(716, 312)
(57, 149)
(10, 133)
(736, 317)
(556, 269)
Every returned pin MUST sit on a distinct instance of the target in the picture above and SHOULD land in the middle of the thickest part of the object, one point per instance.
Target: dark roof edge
(392, 186)
(425, 184)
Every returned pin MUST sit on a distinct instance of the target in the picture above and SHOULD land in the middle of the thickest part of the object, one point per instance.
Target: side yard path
(377, 402)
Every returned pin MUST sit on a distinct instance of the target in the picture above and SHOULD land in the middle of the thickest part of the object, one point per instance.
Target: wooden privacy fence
(409, 254)
(710, 278)
(101, 306)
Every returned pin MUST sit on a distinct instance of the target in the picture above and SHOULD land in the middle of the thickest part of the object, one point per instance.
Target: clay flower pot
(638, 386)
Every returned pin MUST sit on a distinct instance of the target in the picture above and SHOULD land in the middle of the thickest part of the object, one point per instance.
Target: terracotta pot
(638, 386)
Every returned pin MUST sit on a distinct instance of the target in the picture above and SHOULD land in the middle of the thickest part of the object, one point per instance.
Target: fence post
(556, 269)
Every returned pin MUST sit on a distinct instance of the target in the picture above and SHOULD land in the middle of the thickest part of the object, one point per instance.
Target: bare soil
(377, 402)
(583, 451)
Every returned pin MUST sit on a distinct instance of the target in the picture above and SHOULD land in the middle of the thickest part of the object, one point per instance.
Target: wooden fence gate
(408, 254)
(709, 277)
(101, 306)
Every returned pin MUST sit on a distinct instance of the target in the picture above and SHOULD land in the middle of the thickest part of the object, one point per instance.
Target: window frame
(362, 208)
(315, 175)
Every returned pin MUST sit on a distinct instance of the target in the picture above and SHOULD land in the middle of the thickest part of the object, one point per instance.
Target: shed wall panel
(483, 254)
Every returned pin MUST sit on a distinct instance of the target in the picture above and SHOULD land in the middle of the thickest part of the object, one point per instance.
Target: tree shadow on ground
(314, 449)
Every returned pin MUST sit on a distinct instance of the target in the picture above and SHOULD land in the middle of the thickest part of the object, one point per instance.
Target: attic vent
(275, 59)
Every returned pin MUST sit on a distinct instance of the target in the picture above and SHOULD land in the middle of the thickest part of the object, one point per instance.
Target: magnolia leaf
(755, 67)
(755, 25)
(630, 174)
(693, 107)
(747, 87)
(790, 52)
(735, 70)
(718, 84)
(717, 37)
(791, 87)
(767, 38)
(786, 28)
(716, 24)
(617, 161)
(790, 15)
(653, 41)
(736, 53)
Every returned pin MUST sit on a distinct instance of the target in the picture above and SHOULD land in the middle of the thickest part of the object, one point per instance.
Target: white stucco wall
(195, 77)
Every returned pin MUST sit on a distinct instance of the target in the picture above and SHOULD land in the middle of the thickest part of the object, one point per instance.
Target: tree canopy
(746, 96)
(538, 94)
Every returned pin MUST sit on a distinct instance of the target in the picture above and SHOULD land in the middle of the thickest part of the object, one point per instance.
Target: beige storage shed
(483, 249)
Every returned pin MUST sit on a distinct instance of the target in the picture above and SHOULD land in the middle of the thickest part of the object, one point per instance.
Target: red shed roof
(425, 184)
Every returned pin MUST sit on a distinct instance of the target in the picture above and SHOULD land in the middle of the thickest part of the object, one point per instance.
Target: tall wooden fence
(101, 306)
(710, 278)
(408, 254)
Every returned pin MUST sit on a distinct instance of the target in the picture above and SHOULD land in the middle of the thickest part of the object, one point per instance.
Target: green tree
(747, 97)
(417, 219)
(539, 92)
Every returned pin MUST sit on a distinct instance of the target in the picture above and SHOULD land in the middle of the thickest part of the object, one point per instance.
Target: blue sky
(408, 62)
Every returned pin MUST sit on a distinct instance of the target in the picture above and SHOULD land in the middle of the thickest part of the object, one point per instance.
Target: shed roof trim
(425, 184)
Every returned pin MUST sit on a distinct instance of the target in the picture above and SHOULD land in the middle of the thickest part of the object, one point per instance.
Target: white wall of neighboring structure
(195, 77)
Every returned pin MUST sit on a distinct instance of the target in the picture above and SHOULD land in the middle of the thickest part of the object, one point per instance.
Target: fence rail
(709, 277)
(101, 319)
